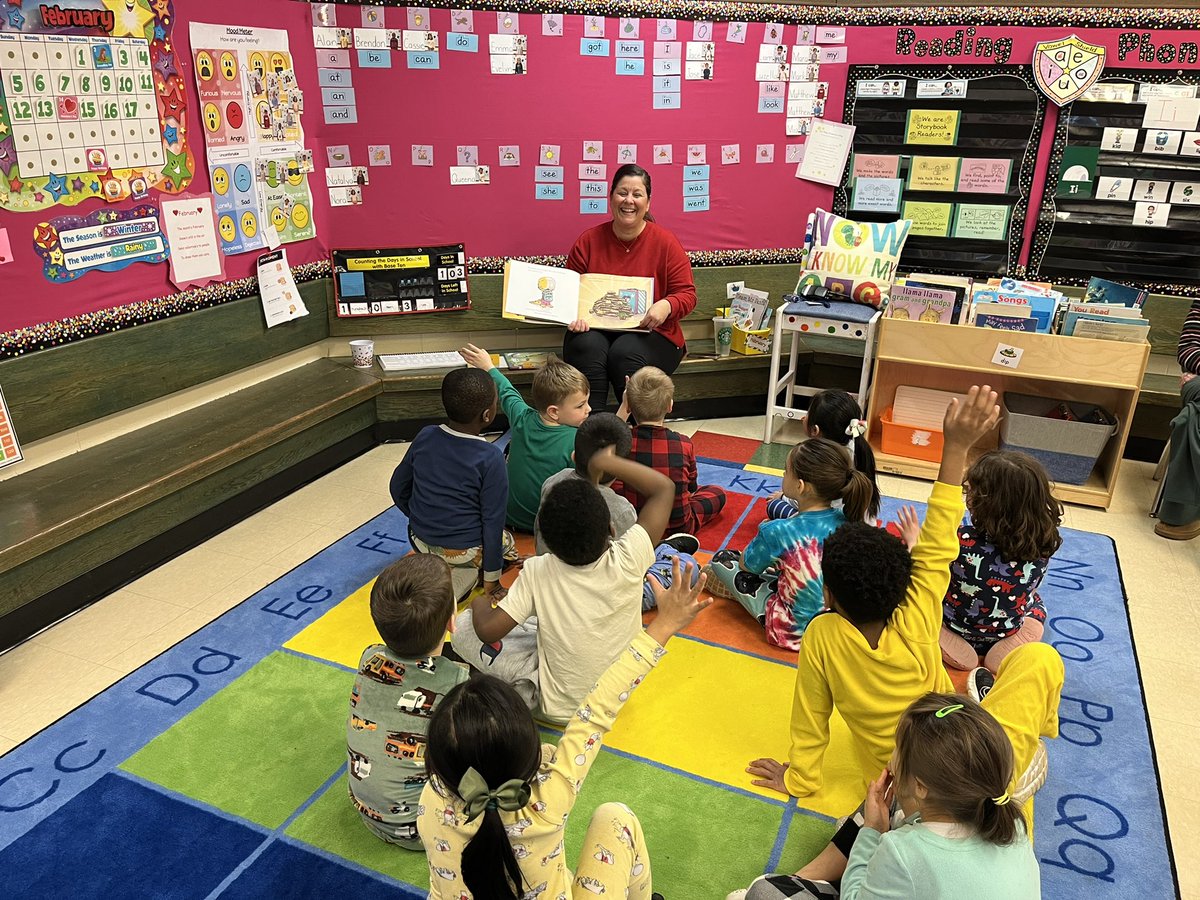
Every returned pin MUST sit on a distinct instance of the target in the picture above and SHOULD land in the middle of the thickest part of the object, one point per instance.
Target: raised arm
(657, 488)
(937, 547)
(495, 503)
(581, 741)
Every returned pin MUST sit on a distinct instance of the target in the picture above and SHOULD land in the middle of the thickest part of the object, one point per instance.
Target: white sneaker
(1033, 777)
(739, 894)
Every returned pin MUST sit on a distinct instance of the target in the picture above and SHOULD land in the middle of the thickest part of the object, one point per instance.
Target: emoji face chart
(250, 109)
(82, 100)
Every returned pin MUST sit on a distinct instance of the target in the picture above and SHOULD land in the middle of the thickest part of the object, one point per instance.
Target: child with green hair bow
(506, 842)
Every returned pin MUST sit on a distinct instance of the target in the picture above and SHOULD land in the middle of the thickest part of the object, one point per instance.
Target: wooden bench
(77, 526)
(74, 528)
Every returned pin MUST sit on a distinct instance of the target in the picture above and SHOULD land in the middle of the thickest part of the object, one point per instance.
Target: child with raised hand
(962, 831)
(398, 684)
(495, 811)
(453, 486)
(777, 578)
(596, 432)
(571, 611)
(992, 605)
(878, 649)
(836, 416)
(543, 435)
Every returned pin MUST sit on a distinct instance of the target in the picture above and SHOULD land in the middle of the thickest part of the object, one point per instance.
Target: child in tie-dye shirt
(777, 578)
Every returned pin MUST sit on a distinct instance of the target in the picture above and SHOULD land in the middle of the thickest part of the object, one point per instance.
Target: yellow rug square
(710, 711)
(341, 635)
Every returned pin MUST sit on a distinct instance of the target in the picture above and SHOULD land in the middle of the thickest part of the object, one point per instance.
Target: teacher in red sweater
(631, 244)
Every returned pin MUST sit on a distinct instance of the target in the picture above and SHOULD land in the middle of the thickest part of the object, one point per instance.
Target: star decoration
(52, 271)
(8, 150)
(3, 127)
(57, 186)
(166, 64)
(14, 2)
(159, 32)
(171, 134)
(56, 256)
(15, 183)
(160, 6)
(176, 168)
(77, 185)
(94, 186)
(129, 21)
(38, 196)
(15, 19)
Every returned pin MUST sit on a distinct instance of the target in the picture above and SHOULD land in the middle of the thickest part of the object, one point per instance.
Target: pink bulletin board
(566, 99)
(29, 299)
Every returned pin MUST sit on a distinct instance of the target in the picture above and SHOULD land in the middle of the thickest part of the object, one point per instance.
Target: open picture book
(549, 294)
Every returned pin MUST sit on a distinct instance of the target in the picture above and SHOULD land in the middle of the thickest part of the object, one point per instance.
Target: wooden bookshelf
(954, 357)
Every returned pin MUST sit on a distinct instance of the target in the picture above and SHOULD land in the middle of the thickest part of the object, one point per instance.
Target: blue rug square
(285, 870)
(119, 839)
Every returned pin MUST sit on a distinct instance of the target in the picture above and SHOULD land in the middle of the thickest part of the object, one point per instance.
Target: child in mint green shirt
(954, 771)
(543, 435)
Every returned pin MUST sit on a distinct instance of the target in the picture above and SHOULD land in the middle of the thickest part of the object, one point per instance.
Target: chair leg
(1161, 469)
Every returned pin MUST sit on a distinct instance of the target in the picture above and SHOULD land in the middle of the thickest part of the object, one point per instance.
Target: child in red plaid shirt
(649, 396)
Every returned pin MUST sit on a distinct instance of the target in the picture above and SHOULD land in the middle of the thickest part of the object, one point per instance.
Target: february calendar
(92, 105)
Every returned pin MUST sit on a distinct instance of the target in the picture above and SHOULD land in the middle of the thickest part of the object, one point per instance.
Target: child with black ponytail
(494, 813)
(836, 416)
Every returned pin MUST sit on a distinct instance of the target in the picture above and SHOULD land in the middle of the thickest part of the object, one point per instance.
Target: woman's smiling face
(629, 201)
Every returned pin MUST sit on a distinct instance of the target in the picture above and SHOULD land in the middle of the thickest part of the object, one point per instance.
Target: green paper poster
(929, 219)
(981, 221)
(1078, 172)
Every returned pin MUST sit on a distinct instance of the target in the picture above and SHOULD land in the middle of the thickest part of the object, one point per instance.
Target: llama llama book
(922, 304)
(534, 293)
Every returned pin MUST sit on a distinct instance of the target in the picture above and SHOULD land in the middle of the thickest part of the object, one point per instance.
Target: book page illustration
(614, 302)
(540, 292)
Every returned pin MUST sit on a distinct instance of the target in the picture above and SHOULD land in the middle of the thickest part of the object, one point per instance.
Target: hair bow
(856, 429)
(510, 796)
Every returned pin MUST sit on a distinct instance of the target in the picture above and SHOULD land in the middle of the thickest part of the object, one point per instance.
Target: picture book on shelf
(750, 309)
(550, 294)
(1099, 290)
(922, 304)
(959, 284)
(1133, 331)
(1006, 323)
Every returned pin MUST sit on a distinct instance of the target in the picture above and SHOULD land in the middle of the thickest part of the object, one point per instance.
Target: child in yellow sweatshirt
(877, 649)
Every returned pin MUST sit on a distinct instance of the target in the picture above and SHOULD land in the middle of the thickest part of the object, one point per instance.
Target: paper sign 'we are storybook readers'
(550, 294)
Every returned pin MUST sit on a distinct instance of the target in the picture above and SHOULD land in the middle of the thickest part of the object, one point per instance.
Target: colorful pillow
(855, 259)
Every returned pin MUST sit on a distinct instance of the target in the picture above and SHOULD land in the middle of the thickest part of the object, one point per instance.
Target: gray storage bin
(1068, 450)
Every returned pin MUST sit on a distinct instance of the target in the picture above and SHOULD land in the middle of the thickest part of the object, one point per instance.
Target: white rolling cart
(834, 319)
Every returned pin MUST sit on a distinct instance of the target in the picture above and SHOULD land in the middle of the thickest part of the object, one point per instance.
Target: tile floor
(101, 644)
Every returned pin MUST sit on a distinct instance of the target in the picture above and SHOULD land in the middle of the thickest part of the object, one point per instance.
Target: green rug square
(679, 815)
(259, 748)
(771, 456)
(807, 836)
(333, 825)
(704, 840)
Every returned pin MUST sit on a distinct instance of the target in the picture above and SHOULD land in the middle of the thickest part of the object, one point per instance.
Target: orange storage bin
(909, 441)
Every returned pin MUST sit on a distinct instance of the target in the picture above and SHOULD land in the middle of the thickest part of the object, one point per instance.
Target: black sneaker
(980, 683)
(684, 543)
